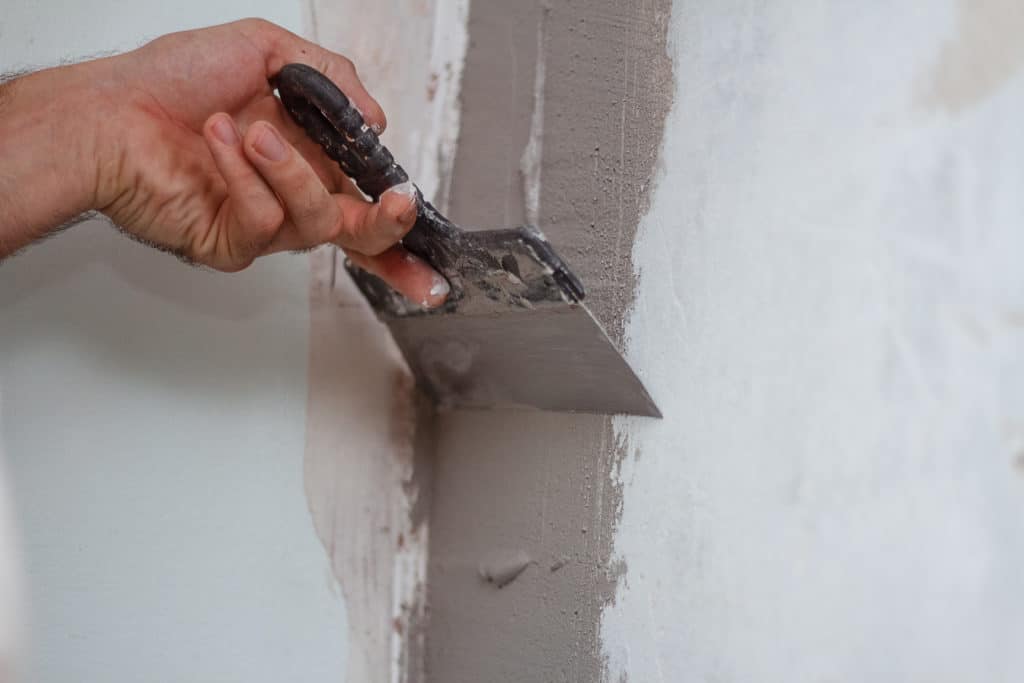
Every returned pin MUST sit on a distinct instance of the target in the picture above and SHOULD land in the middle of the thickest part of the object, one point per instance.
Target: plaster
(581, 89)
(368, 434)
(978, 58)
(361, 479)
(828, 314)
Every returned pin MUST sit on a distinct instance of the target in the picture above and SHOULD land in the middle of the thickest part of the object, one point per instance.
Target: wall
(828, 310)
(829, 313)
(368, 436)
(562, 109)
(154, 427)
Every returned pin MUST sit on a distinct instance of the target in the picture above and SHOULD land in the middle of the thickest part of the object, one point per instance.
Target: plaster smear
(581, 90)
(827, 314)
(363, 483)
(368, 433)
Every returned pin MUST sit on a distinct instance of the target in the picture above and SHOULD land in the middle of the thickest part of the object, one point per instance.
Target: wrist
(50, 124)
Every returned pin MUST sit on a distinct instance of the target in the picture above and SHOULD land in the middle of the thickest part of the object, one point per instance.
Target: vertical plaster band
(572, 94)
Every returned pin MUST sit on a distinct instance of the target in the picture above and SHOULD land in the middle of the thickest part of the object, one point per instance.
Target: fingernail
(439, 289)
(377, 128)
(224, 130)
(406, 189)
(269, 145)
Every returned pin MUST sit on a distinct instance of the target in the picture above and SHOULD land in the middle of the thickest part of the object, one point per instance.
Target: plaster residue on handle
(530, 163)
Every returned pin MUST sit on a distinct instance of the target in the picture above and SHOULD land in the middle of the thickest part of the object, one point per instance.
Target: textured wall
(562, 110)
(366, 465)
(829, 312)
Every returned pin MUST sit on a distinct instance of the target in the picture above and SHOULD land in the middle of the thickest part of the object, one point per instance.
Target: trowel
(514, 330)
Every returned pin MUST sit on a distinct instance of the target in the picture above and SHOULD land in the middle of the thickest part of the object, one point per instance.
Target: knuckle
(372, 243)
(256, 24)
(346, 65)
(339, 68)
(313, 210)
(265, 227)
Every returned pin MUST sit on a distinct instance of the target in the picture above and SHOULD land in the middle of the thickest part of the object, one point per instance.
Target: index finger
(280, 46)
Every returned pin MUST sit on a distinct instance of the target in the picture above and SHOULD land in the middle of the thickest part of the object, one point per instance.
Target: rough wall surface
(563, 104)
(366, 478)
(830, 313)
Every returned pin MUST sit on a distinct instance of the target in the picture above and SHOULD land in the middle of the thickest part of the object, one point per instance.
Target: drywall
(367, 436)
(153, 423)
(562, 110)
(829, 313)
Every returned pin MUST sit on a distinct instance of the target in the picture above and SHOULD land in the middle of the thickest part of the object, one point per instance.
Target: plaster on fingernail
(406, 189)
(439, 287)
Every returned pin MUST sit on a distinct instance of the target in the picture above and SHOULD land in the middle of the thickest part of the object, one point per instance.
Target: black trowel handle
(328, 117)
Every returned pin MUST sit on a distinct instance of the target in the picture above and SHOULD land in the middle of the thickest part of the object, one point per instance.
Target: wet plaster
(531, 485)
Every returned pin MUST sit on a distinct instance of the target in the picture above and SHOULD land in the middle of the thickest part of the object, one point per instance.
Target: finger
(251, 216)
(270, 109)
(365, 227)
(312, 213)
(282, 47)
(406, 273)
(372, 228)
(316, 215)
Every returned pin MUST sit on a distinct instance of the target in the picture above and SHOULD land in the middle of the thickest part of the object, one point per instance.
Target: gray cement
(527, 484)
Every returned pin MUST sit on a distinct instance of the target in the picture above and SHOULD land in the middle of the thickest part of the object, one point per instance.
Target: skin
(183, 145)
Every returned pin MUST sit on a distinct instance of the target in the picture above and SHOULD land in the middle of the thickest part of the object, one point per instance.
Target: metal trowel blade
(553, 357)
(514, 331)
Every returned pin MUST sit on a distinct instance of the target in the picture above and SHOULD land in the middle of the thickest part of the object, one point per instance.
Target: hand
(193, 153)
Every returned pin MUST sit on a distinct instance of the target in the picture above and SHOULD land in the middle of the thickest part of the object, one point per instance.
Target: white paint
(12, 580)
(449, 40)
(154, 427)
(829, 314)
(529, 164)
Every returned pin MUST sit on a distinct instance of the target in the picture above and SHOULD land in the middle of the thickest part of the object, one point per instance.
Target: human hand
(191, 151)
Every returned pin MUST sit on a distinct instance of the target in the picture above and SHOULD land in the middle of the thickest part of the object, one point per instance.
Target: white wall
(831, 315)
(153, 423)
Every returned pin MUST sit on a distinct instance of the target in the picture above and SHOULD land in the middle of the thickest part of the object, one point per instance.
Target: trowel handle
(328, 117)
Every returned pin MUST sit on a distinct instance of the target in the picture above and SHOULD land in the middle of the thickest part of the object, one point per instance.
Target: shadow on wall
(140, 312)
